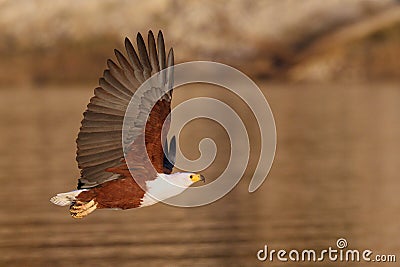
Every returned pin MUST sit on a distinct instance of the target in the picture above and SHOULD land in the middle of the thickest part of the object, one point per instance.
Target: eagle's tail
(64, 199)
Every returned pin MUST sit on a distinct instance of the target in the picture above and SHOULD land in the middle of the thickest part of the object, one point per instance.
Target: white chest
(160, 189)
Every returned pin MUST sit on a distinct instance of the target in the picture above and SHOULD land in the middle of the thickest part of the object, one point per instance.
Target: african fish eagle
(106, 181)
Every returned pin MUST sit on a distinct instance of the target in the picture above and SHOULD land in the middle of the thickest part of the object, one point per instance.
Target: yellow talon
(81, 209)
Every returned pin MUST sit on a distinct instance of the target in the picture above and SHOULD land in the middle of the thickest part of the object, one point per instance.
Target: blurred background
(329, 69)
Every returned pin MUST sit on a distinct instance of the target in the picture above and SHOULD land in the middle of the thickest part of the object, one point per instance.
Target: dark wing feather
(144, 58)
(100, 154)
(169, 155)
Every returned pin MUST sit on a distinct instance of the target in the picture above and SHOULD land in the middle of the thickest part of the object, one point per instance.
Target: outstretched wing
(100, 154)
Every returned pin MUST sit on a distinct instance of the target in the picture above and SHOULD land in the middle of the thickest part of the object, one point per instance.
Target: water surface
(335, 175)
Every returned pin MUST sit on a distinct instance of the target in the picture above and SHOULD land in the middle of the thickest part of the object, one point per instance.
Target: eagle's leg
(81, 209)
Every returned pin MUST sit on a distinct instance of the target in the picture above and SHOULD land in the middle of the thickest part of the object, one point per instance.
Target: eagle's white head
(169, 185)
(183, 179)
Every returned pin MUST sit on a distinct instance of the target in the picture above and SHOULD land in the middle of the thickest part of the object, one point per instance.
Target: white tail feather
(64, 199)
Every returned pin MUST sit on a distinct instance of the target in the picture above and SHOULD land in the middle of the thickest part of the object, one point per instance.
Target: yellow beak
(197, 178)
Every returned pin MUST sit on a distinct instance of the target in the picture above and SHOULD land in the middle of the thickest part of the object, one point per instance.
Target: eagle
(106, 181)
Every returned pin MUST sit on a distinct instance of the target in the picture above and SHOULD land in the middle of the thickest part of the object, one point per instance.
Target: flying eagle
(106, 181)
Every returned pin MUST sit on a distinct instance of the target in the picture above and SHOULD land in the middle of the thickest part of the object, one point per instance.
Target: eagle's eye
(191, 176)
